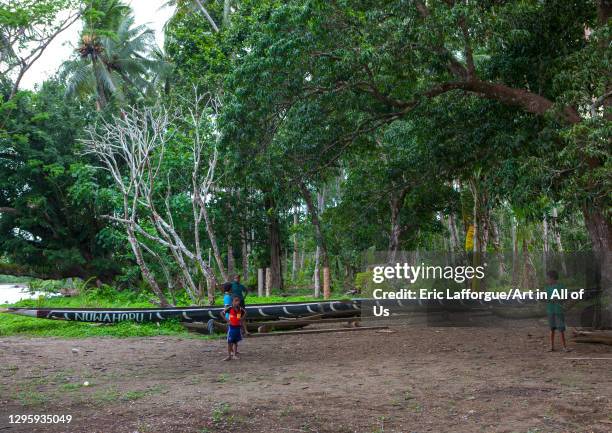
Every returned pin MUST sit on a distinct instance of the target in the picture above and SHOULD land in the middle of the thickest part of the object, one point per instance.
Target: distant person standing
(238, 289)
(554, 309)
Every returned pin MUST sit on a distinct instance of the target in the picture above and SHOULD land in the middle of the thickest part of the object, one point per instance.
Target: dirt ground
(415, 379)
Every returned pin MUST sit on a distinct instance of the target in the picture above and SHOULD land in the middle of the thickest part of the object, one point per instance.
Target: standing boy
(234, 316)
(554, 309)
(240, 291)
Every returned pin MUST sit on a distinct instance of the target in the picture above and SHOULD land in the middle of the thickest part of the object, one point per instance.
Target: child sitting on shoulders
(227, 297)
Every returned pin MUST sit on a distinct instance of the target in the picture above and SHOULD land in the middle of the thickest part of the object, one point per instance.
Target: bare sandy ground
(416, 379)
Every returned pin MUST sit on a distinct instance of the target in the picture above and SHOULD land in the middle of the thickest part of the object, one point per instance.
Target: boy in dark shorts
(234, 315)
(554, 310)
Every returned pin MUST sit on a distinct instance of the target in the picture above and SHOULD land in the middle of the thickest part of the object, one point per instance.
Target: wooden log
(320, 331)
(596, 340)
(308, 321)
(202, 328)
(597, 337)
(287, 324)
(272, 325)
(581, 333)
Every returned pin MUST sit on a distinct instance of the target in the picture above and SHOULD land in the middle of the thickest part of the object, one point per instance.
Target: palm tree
(114, 57)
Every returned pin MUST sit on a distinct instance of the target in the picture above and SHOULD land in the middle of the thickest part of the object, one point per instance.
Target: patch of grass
(112, 394)
(220, 412)
(29, 326)
(31, 397)
(70, 386)
(107, 395)
(10, 279)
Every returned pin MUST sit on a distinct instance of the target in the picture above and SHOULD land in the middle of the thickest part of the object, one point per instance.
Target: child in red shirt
(234, 315)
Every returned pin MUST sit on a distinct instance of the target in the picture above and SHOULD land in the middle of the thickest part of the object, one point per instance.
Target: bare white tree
(129, 142)
(132, 148)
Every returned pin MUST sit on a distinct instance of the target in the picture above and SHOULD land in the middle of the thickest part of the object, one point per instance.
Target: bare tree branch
(207, 15)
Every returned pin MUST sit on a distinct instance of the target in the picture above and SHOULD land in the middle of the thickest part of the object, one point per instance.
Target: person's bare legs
(552, 340)
(563, 341)
(229, 352)
(236, 351)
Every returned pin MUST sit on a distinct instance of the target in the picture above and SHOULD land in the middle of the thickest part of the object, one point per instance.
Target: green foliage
(363, 280)
(27, 326)
(401, 115)
(116, 58)
(54, 218)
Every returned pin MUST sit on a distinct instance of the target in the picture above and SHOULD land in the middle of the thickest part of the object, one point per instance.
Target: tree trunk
(600, 232)
(515, 259)
(303, 255)
(226, 12)
(545, 244)
(558, 243)
(100, 94)
(260, 282)
(274, 242)
(479, 230)
(286, 260)
(146, 272)
(245, 254)
(396, 202)
(213, 241)
(528, 276)
(211, 286)
(501, 265)
(326, 283)
(268, 281)
(230, 258)
(314, 217)
(395, 230)
(294, 262)
(317, 273)
(454, 237)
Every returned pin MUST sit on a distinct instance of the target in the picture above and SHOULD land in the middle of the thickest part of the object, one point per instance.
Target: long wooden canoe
(189, 314)
(338, 308)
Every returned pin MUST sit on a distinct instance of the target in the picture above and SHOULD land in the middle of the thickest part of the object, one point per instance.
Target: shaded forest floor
(416, 379)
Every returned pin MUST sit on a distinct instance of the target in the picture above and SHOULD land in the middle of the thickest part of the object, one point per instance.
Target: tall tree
(50, 224)
(115, 58)
(27, 28)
